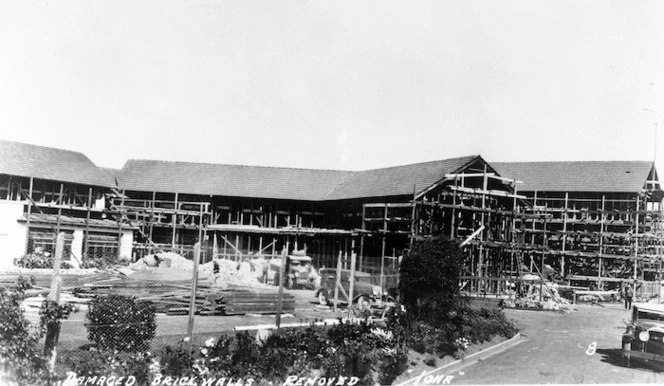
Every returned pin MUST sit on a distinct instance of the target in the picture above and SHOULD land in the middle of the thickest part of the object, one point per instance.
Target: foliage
(121, 323)
(175, 361)
(38, 260)
(483, 324)
(20, 361)
(52, 312)
(429, 283)
(359, 350)
(103, 262)
(109, 363)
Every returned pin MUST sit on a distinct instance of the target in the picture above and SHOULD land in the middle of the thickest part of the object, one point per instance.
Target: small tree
(121, 323)
(429, 282)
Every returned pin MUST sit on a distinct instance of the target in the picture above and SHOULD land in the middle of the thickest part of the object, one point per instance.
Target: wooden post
(413, 213)
(57, 224)
(86, 247)
(194, 282)
(382, 252)
(122, 212)
(600, 285)
(480, 266)
(338, 282)
(364, 227)
(636, 241)
(564, 238)
(454, 203)
(282, 273)
(361, 250)
(175, 218)
(53, 328)
(214, 245)
(27, 225)
(352, 281)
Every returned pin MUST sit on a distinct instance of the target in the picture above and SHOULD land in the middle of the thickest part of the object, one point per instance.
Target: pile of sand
(175, 267)
(243, 273)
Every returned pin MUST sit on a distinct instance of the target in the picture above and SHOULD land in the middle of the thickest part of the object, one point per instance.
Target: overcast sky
(335, 85)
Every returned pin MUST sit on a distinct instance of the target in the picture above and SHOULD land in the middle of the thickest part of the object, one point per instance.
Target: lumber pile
(239, 302)
(173, 297)
(224, 287)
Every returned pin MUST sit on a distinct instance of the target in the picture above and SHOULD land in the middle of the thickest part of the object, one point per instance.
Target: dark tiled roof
(578, 176)
(20, 159)
(398, 180)
(283, 183)
(229, 180)
(112, 175)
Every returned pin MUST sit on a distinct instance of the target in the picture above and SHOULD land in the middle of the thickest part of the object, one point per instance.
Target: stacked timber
(253, 302)
(174, 297)
(169, 289)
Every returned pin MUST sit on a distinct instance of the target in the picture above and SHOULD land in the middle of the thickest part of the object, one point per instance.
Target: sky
(349, 85)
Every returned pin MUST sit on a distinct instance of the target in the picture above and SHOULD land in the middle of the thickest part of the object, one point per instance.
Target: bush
(483, 324)
(20, 361)
(464, 325)
(94, 362)
(359, 350)
(121, 323)
(103, 262)
(37, 260)
(429, 281)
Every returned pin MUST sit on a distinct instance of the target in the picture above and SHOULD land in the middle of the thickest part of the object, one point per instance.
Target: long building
(597, 223)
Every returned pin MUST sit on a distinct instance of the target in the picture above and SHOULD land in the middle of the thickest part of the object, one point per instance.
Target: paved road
(558, 349)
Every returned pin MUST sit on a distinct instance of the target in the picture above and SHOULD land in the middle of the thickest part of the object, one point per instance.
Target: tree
(429, 283)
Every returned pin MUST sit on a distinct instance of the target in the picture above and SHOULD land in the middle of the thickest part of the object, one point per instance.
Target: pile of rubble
(220, 272)
(550, 297)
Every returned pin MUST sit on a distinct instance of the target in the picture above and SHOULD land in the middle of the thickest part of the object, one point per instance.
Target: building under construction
(592, 224)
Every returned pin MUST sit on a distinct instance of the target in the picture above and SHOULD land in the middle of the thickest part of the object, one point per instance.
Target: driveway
(578, 347)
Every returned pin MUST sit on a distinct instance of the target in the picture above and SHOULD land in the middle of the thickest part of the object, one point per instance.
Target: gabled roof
(229, 180)
(578, 176)
(283, 183)
(111, 174)
(20, 159)
(399, 180)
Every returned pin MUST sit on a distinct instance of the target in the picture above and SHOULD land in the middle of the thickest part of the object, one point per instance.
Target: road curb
(471, 359)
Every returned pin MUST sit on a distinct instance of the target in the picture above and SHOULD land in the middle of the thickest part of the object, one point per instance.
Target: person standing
(629, 293)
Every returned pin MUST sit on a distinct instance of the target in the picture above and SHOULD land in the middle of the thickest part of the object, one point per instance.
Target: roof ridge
(237, 165)
(293, 168)
(568, 162)
(422, 163)
(469, 159)
(46, 147)
(338, 185)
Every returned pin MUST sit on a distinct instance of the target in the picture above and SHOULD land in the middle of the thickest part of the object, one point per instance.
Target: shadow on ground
(613, 356)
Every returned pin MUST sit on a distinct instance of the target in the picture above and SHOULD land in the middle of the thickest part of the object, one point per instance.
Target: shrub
(103, 262)
(37, 260)
(176, 361)
(483, 324)
(121, 323)
(429, 281)
(20, 361)
(95, 362)
(360, 350)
